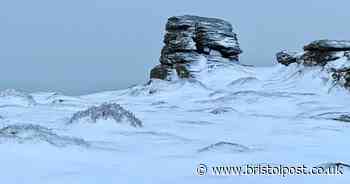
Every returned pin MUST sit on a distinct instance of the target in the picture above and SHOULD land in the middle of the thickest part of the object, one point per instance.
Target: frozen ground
(231, 115)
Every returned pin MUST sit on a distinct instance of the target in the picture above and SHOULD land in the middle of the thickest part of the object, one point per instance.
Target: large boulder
(189, 39)
(320, 52)
(164, 72)
(316, 57)
(160, 72)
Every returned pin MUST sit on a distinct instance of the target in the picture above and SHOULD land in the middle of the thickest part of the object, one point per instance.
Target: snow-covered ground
(230, 115)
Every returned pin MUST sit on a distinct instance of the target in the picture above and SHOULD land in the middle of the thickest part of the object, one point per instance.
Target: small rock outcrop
(286, 57)
(193, 39)
(106, 111)
(318, 52)
(333, 55)
(342, 76)
(328, 45)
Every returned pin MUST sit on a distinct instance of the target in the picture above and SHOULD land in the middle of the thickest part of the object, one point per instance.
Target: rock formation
(334, 55)
(286, 57)
(328, 45)
(191, 40)
(322, 51)
(318, 52)
(342, 76)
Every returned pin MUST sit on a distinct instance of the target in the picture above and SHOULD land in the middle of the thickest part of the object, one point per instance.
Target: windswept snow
(230, 114)
(227, 147)
(11, 97)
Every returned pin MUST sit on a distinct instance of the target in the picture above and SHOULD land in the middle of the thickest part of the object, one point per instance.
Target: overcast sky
(83, 46)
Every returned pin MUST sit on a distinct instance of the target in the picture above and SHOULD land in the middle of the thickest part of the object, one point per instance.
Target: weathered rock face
(312, 58)
(191, 39)
(161, 72)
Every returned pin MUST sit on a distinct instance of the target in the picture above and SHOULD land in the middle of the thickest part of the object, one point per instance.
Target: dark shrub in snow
(107, 111)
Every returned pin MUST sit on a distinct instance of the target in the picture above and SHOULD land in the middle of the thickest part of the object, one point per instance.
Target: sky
(86, 46)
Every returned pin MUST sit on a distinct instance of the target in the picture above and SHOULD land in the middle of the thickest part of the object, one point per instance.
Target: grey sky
(84, 46)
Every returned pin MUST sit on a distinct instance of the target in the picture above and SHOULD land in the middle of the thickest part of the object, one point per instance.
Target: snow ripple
(228, 147)
(22, 133)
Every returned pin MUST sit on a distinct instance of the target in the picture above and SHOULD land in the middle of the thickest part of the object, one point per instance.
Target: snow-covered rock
(321, 58)
(328, 45)
(318, 52)
(24, 133)
(332, 55)
(106, 111)
(190, 39)
(342, 77)
(286, 57)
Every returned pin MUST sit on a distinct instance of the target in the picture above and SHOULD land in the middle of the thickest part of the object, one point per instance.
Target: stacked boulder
(334, 55)
(191, 40)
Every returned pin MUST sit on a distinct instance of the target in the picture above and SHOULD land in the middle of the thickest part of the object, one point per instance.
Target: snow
(342, 63)
(11, 97)
(22, 133)
(231, 114)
